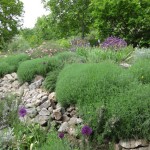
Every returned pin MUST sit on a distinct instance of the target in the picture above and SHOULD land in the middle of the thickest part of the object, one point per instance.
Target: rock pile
(10, 84)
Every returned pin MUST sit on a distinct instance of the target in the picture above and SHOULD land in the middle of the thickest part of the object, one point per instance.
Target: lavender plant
(113, 43)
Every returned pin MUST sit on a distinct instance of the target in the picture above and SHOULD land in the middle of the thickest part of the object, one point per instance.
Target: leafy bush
(69, 57)
(80, 82)
(108, 98)
(18, 44)
(40, 66)
(95, 55)
(64, 43)
(133, 113)
(141, 70)
(134, 27)
(50, 80)
(10, 64)
(113, 43)
(5, 69)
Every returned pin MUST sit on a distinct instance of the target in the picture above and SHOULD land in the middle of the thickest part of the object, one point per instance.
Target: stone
(73, 113)
(72, 121)
(129, 144)
(57, 114)
(71, 108)
(44, 98)
(52, 96)
(79, 120)
(38, 83)
(37, 102)
(9, 77)
(43, 119)
(125, 65)
(44, 112)
(15, 84)
(32, 86)
(45, 104)
(65, 118)
(72, 131)
(31, 112)
(14, 75)
(29, 105)
(38, 108)
(50, 109)
(64, 127)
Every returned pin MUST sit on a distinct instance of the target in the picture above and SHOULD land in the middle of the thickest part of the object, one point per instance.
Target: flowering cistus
(22, 111)
(114, 42)
(61, 135)
(86, 130)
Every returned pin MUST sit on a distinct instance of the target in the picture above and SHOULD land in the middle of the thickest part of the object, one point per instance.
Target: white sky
(33, 9)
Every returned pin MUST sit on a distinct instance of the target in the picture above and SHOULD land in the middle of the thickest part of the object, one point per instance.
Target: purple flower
(22, 112)
(113, 42)
(86, 130)
(61, 135)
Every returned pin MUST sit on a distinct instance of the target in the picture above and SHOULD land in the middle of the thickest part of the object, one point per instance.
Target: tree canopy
(10, 13)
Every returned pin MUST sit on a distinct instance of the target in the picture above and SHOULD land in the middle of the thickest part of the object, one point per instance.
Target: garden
(78, 80)
(112, 99)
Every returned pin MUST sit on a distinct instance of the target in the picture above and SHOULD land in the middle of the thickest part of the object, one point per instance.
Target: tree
(10, 12)
(128, 19)
(71, 16)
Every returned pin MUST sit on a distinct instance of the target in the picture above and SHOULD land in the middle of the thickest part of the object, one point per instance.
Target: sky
(33, 9)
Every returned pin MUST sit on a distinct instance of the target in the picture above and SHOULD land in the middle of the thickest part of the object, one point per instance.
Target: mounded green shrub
(50, 80)
(10, 64)
(69, 57)
(40, 66)
(109, 99)
(89, 82)
(141, 70)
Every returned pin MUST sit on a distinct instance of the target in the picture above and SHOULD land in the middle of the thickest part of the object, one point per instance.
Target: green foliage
(141, 70)
(10, 64)
(31, 36)
(18, 43)
(27, 135)
(123, 18)
(55, 143)
(5, 68)
(69, 57)
(109, 99)
(96, 55)
(40, 66)
(80, 82)
(50, 80)
(64, 43)
(70, 17)
(10, 11)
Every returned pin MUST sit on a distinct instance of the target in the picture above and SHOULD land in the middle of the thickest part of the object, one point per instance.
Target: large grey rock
(131, 144)
(45, 104)
(43, 119)
(44, 112)
(64, 127)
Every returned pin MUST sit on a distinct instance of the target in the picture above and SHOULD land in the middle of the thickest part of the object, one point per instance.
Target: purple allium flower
(86, 130)
(61, 135)
(22, 111)
(114, 42)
